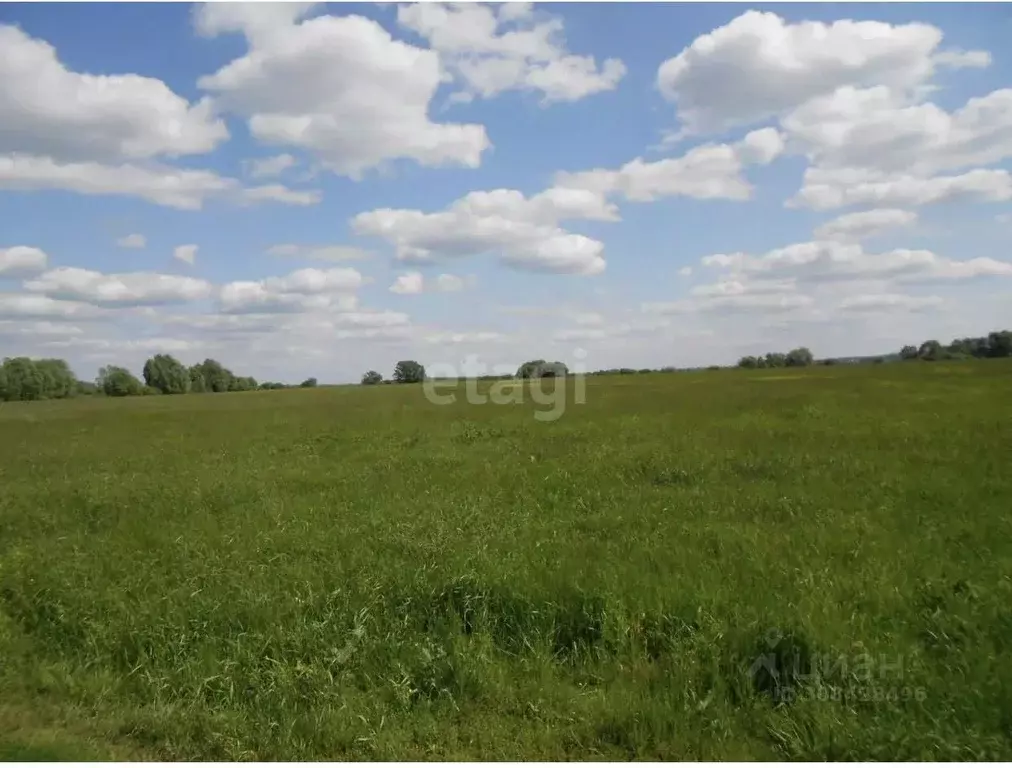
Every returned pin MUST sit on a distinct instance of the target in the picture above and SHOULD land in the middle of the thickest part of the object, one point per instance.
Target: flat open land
(722, 564)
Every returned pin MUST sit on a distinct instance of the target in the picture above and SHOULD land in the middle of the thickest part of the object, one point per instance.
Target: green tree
(930, 350)
(372, 377)
(999, 344)
(980, 347)
(776, 360)
(22, 379)
(58, 380)
(167, 375)
(552, 370)
(530, 370)
(409, 372)
(217, 378)
(799, 358)
(242, 384)
(969, 347)
(197, 383)
(748, 362)
(909, 352)
(538, 369)
(310, 382)
(118, 382)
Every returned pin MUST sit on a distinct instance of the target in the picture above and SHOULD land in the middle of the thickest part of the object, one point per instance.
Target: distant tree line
(995, 344)
(631, 371)
(165, 375)
(412, 372)
(22, 378)
(796, 358)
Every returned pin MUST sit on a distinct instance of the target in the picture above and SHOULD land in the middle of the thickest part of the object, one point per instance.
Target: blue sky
(477, 185)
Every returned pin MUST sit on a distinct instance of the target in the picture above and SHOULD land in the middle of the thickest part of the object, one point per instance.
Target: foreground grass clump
(730, 564)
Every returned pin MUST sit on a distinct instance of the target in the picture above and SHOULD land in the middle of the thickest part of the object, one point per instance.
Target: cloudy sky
(317, 190)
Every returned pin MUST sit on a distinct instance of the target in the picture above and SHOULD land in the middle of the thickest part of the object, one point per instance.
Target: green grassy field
(728, 564)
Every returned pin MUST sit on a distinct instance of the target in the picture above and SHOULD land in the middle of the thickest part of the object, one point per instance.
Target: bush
(242, 384)
(119, 382)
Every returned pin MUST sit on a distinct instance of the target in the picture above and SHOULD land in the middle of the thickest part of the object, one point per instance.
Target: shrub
(119, 382)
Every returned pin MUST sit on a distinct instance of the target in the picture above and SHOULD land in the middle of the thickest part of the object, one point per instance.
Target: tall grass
(730, 564)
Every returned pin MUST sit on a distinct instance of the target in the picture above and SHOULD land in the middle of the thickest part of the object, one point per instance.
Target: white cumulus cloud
(21, 260)
(185, 253)
(706, 172)
(524, 232)
(20, 305)
(878, 129)
(415, 282)
(362, 97)
(126, 289)
(47, 110)
(830, 260)
(180, 188)
(491, 53)
(759, 66)
(299, 291)
(270, 166)
(890, 302)
(132, 241)
(409, 283)
(824, 189)
(865, 224)
(318, 252)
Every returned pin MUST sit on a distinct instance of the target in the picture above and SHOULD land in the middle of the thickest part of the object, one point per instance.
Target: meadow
(736, 564)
